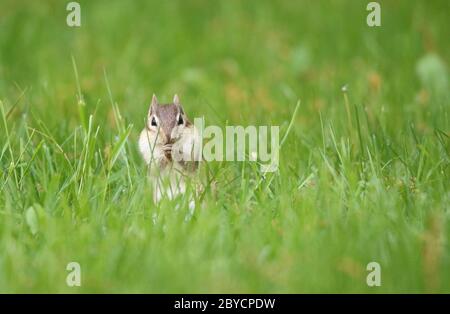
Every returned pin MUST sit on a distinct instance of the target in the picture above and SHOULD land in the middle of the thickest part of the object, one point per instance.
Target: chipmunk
(169, 144)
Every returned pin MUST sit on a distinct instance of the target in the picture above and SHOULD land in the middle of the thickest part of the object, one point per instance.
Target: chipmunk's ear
(176, 99)
(153, 105)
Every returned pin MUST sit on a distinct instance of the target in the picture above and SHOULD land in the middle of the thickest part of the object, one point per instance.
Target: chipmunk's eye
(180, 120)
(153, 123)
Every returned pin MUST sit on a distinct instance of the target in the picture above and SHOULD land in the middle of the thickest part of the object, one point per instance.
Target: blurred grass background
(372, 186)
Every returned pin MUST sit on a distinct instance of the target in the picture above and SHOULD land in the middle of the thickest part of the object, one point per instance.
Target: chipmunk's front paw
(167, 149)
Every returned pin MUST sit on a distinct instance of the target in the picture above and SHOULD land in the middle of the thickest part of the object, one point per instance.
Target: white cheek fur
(148, 146)
(187, 148)
(177, 132)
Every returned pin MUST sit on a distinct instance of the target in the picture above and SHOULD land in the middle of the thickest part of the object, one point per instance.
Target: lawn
(364, 172)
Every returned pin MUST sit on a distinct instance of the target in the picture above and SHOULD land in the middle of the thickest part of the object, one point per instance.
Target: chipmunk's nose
(167, 135)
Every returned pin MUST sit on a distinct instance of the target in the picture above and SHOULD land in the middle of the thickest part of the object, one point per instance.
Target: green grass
(364, 176)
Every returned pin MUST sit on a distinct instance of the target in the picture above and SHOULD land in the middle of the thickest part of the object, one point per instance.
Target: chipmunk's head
(168, 121)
